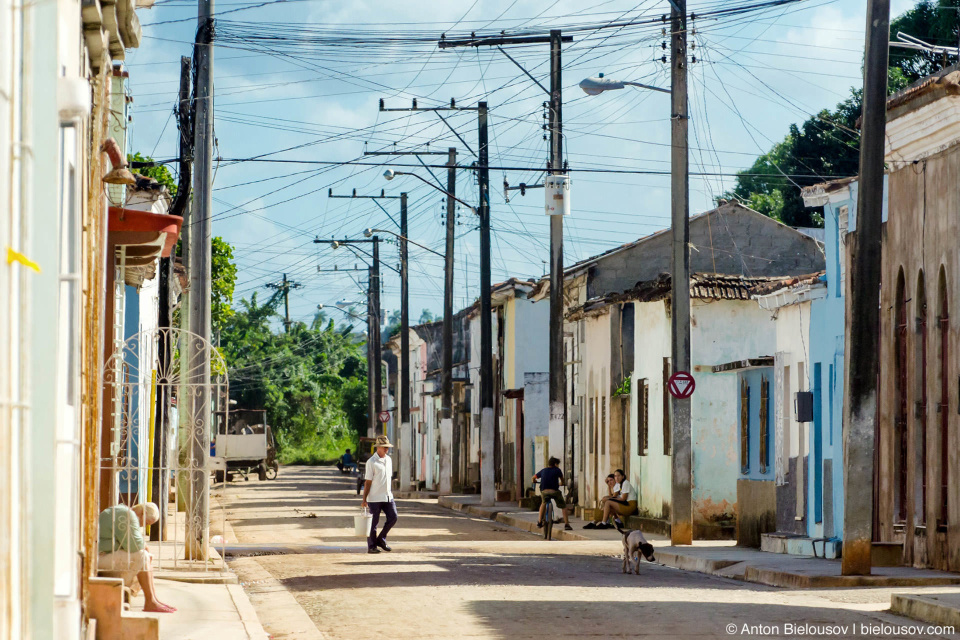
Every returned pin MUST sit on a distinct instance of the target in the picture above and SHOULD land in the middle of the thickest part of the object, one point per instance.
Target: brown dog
(634, 543)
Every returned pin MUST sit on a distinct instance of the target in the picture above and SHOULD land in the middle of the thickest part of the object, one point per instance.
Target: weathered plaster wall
(792, 331)
(721, 331)
(744, 242)
(595, 427)
(921, 236)
(827, 347)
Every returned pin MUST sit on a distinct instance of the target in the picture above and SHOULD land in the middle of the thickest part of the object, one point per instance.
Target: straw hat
(383, 441)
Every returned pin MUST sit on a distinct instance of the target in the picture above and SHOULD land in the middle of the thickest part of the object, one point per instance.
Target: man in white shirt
(378, 496)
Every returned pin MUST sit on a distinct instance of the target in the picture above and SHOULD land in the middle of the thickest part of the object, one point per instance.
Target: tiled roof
(704, 286)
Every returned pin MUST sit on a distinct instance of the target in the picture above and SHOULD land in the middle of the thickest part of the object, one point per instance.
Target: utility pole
(284, 286)
(449, 450)
(404, 304)
(681, 508)
(448, 462)
(487, 425)
(863, 321)
(374, 373)
(200, 414)
(558, 378)
(488, 491)
(376, 337)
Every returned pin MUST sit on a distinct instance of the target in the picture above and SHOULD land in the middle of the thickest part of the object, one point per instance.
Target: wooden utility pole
(557, 385)
(681, 508)
(863, 322)
(407, 435)
(488, 490)
(199, 268)
(374, 373)
(487, 424)
(447, 452)
(284, 287)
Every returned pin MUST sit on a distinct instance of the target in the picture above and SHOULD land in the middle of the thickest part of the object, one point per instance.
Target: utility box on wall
(803, 406)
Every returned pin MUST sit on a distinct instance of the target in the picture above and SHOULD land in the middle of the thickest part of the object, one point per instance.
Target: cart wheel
(220, 476)
(272, 471)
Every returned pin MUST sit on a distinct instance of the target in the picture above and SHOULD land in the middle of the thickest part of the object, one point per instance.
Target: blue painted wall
(755, 379)
(827, 319)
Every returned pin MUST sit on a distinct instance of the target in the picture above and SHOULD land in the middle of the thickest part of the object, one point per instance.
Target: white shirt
(626, 491)
(379, 471)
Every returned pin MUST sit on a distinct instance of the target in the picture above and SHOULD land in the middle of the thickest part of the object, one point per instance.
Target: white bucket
(361, 523)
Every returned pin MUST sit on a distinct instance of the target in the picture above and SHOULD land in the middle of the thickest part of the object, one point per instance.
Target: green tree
(224, 272)
(159, 173)
(932, 22)
(426, 316)
(311, 380)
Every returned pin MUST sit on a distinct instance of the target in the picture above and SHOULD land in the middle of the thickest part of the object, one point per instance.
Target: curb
(926, 609)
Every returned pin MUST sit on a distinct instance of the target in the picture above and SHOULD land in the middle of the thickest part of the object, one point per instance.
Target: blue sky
(756, 75)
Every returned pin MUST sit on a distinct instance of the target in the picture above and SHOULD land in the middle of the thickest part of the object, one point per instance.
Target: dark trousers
(390, 510)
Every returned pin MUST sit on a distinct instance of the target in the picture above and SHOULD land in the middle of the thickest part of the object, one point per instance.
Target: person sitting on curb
(624, 503)
(122, 549)
(612, 490)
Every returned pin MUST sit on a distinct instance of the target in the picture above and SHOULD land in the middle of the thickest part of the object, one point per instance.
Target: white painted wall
(595, 428)
(721, 331)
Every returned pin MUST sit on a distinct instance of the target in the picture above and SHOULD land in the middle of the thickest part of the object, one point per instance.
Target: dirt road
(454, 576)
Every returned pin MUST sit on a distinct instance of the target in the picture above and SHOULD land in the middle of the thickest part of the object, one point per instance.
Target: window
(744, 426)
(643, 416)
(842, 226)
(920, 367)
(667, 426)
(944, 322)
(900, 426)
(764, 425)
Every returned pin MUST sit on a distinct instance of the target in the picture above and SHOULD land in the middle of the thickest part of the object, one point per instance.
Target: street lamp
(390, 174)
(596, 86)
(369, 232)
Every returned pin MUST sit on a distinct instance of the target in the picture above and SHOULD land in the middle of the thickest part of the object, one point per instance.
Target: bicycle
(548, 519)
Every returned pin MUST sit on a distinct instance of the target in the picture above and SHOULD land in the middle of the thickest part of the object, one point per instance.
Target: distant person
(378, 496)
(122, 549)
(347, 462)
(551, 478)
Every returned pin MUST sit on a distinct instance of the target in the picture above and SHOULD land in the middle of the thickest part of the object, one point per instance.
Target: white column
(446, 455)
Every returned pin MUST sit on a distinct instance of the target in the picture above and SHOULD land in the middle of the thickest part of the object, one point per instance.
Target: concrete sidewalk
(717, 557)
(206, 611)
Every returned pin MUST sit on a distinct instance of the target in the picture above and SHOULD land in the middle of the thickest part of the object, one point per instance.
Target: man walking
(378, 496)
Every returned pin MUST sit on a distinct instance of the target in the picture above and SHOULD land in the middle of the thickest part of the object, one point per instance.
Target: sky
(299, 82)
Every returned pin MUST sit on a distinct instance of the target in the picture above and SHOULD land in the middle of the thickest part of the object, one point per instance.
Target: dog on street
(634, 543)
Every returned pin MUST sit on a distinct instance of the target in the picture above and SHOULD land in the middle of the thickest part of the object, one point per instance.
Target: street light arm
(391, 173)
(413, 242)
(647, 86)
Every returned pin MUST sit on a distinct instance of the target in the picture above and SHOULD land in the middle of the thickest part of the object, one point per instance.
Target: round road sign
(681, 385)
(384, 416)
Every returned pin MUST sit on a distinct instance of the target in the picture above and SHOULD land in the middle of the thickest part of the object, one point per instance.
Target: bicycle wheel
(548, 521)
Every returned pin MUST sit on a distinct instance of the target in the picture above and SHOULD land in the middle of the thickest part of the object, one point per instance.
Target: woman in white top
(623, 504)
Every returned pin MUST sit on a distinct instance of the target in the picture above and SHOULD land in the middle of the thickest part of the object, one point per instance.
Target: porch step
(887, 554)
(111, 621)
(797, 545)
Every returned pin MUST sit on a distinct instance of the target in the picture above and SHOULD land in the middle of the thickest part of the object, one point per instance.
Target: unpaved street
(454, 576)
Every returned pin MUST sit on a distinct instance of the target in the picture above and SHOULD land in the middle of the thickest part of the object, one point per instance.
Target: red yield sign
(384, 416)
(681, 385)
